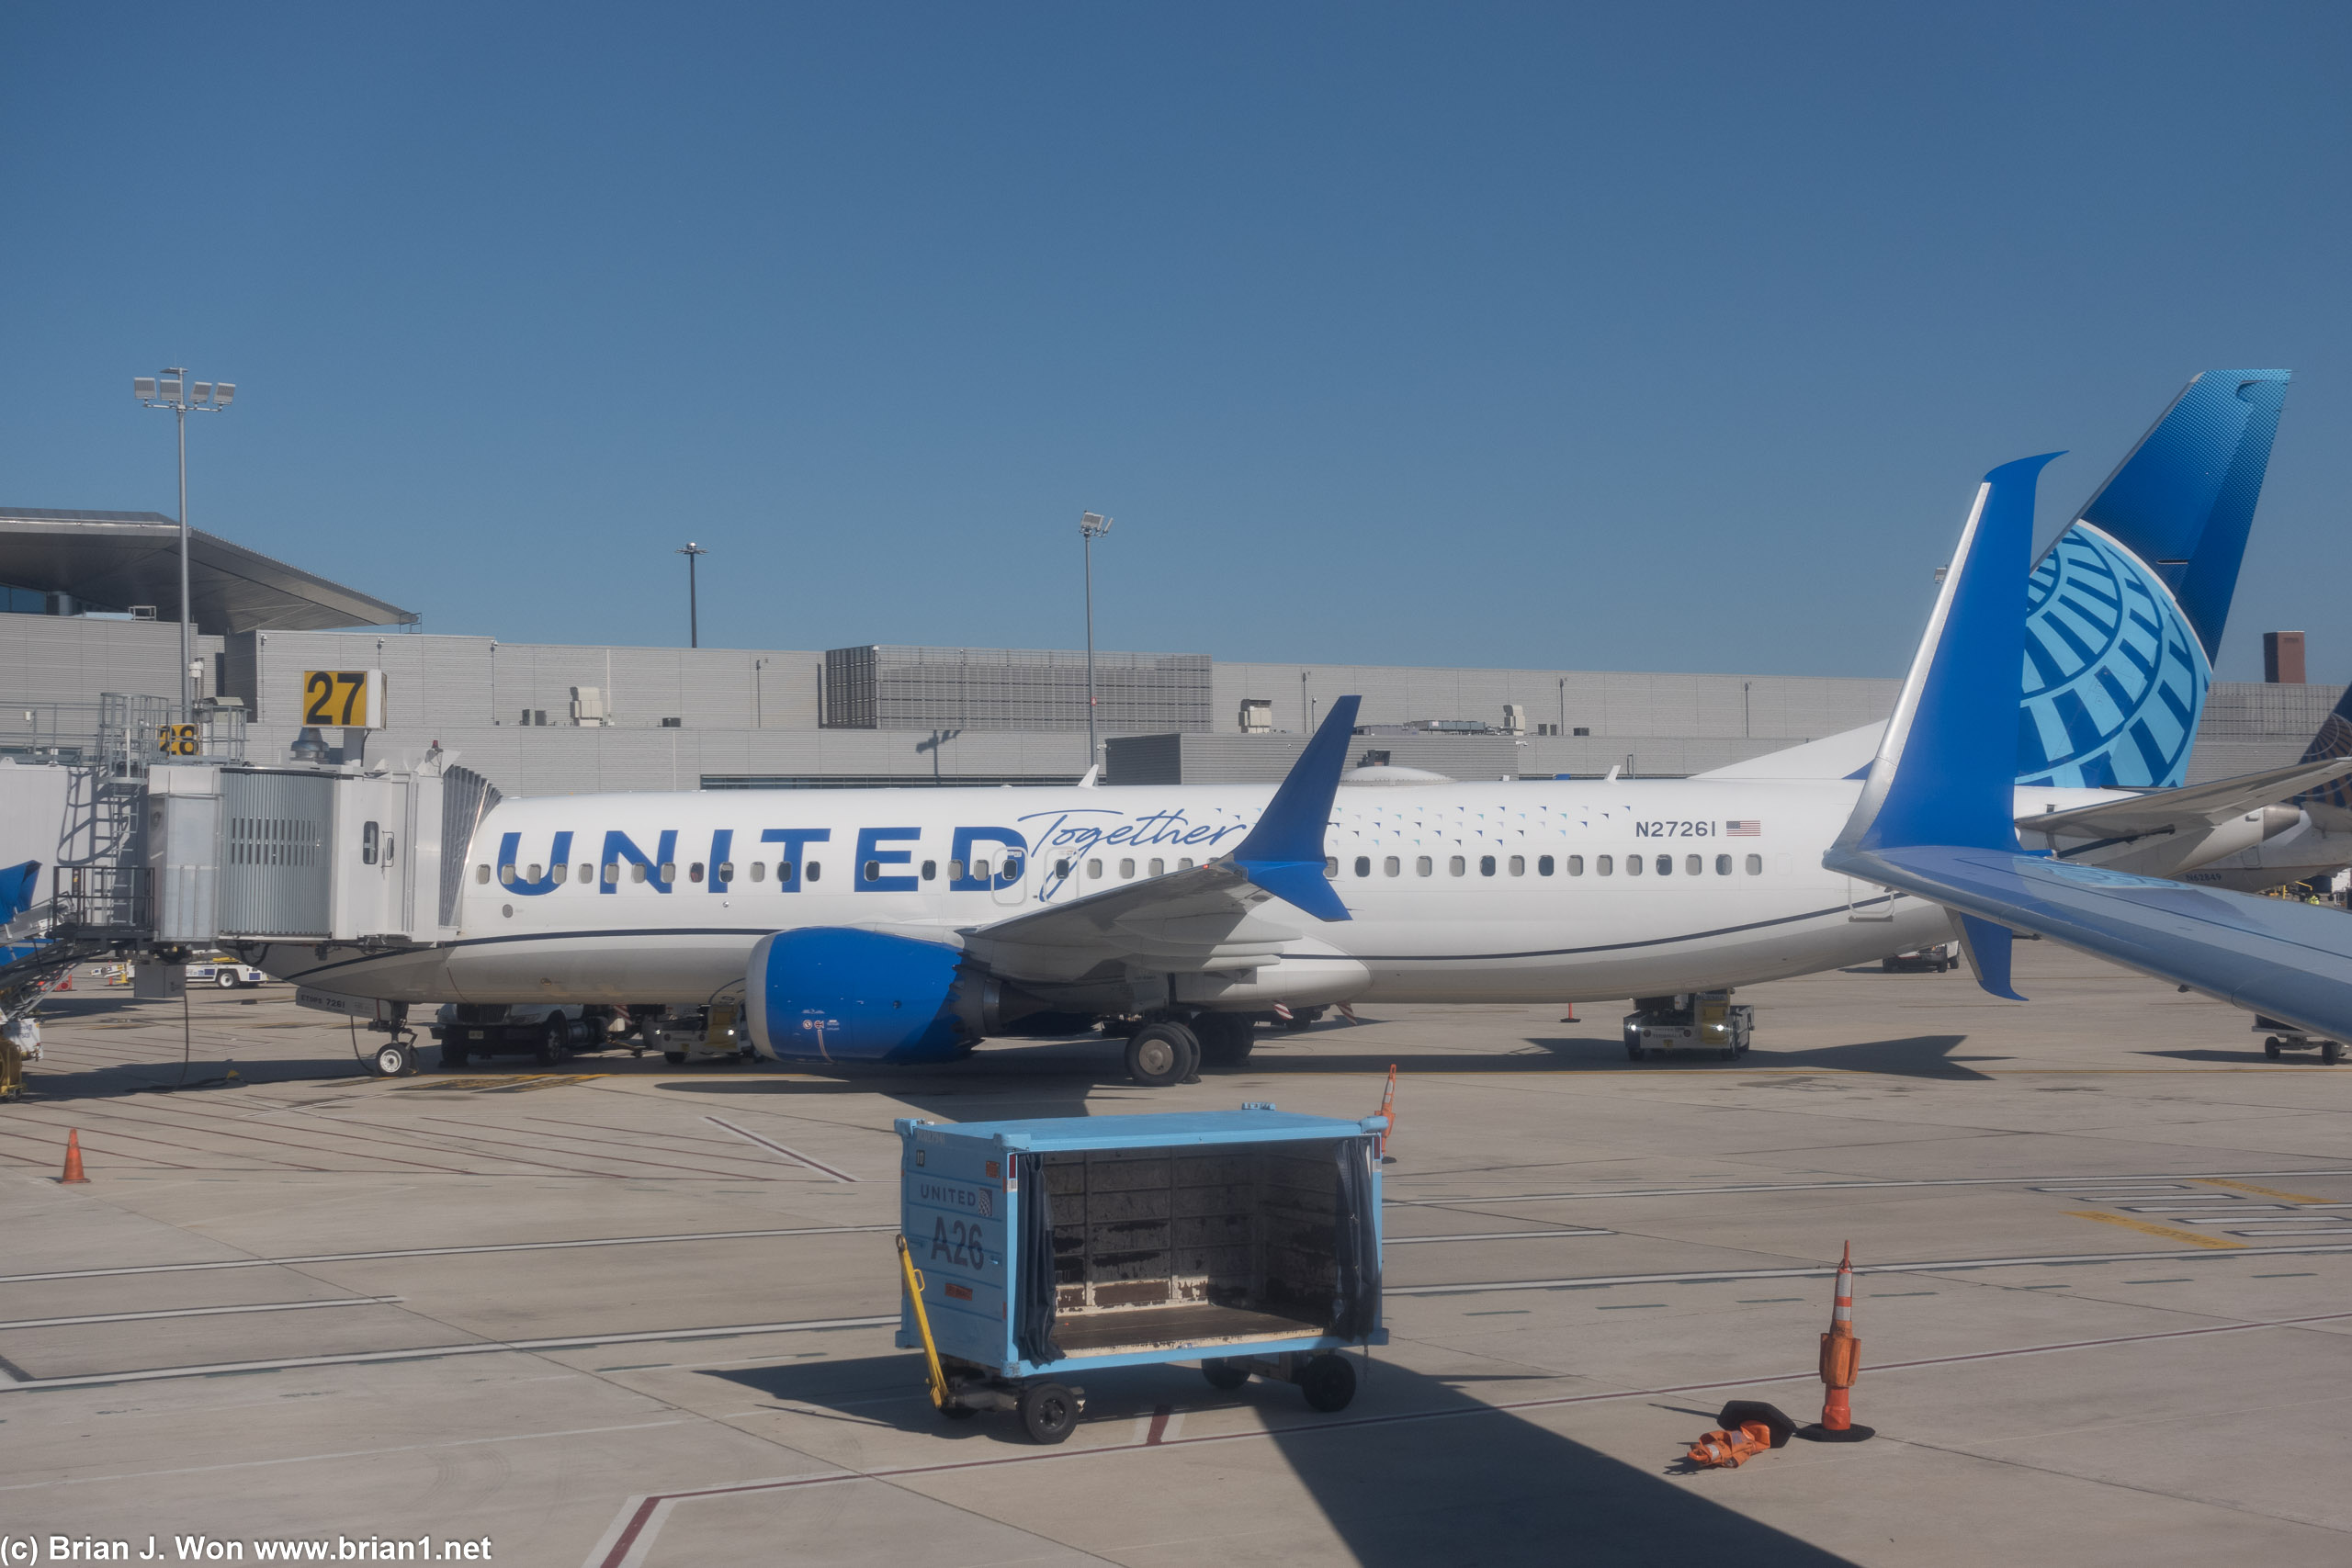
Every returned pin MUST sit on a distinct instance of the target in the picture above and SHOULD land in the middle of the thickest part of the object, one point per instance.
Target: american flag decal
(1746, 828)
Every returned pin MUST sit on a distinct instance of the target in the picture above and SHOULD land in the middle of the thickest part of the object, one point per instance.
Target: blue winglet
(1283, 854)
(19, 884)
(1945, 773)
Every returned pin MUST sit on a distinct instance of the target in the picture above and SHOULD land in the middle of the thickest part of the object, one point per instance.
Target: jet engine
(837, 994)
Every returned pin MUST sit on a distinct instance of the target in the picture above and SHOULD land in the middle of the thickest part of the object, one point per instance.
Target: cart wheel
(1048, 1410)
(553, 1037)
(676, 1058)
(2331, 1053)
(2271, 1047)
(958, 1412)
(1157, 1056)
(1328, 1381)
(1224, 1374)
(226, 979)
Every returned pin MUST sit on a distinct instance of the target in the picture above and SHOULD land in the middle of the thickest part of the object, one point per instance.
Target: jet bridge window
(1364, 865)
(367, 831)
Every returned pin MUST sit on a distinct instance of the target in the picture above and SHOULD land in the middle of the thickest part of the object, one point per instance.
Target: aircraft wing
(1236, 910)
(2193, 806)
(2288, 961)
(1934, 818)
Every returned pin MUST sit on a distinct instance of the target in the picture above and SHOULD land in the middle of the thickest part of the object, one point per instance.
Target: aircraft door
(1010, 884)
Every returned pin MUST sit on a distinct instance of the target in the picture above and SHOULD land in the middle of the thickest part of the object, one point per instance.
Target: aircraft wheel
(553, 1037)
(676, 1058)
(393, 1059)
(2331, 1053)
(1161, 1054)
(2271, 1047)
(1225, 1038)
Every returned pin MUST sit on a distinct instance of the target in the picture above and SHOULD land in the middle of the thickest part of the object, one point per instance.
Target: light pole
(1306, 703)
(1091, 525)
(694, 612)
(173, 390)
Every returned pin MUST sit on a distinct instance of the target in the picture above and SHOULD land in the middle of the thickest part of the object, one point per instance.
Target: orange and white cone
(73, 1177)
(1841, 1363)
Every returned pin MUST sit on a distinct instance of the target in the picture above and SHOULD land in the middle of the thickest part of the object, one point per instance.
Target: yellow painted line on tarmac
(2266, 1192)
(2191, 1237)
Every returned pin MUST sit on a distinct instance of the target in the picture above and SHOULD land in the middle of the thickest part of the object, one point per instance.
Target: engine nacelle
(836, 994)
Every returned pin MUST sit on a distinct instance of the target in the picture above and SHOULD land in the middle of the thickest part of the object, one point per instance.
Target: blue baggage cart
(1034, 1252)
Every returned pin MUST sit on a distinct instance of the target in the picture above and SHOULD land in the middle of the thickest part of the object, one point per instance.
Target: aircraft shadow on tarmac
(1415, 1472)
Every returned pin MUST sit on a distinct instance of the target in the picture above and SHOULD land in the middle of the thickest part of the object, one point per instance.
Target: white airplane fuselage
(1501, 892)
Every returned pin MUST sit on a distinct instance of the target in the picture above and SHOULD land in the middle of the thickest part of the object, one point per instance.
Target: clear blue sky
(1662, 337)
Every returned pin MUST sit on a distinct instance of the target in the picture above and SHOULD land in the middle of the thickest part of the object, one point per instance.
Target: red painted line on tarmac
(626, 1549)
(811, 1163)
(474, 1132)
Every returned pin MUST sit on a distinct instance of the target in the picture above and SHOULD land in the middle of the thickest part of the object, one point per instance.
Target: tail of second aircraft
(2333, 739)
(2125, 611)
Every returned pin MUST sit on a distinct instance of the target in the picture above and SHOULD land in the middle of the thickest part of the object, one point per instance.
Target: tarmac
(624, 1312)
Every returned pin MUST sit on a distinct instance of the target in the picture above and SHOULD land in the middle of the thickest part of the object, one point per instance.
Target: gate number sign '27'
(352, 699)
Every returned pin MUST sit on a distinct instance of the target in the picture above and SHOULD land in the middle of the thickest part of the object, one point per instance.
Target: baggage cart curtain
(1355, 1306)
(1034, 1265)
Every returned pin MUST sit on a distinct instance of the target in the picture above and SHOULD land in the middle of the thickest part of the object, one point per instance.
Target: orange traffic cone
(72, 1176)
(1726, 1450)
(1841, 1363)
(1387, 1108)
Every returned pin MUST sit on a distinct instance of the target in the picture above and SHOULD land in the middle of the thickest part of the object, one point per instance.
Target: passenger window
(1185, 863)
(1391, 866)
(783, 870)
(954, 870)
(507, 875)
(1331, 865)
(481, 875)
(815, 871)
(1094, 869)
(1633, 865)
(1421, 865)
(930, 870)
(1518, 866)
(872, 870)
(612, 874)
(587, 874)
(1723, 865)
(979, 871)
(1126, 868)
(1544, 865)
(636, 871)
(1666, 865)
(1455, 865)
(1486, 865)
(694, 871)
(1756, 865)
(1694, 865)
(1364, 865)
(1061, 868)
(1159, 867)
(1013, 868)
(760, 871)
(1603, 864)
(726, 872)
(668, 870)
(1576, 865)
(537, 873)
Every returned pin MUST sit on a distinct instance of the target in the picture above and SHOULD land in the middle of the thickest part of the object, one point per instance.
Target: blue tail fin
(2125, 611)
(1283, 854)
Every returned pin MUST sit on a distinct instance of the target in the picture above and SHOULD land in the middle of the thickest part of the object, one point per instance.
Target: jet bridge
(156, 854)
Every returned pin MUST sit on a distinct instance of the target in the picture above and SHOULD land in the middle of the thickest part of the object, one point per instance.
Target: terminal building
(88, 627)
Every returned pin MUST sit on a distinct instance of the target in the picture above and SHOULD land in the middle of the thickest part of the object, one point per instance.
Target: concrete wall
(71, 658)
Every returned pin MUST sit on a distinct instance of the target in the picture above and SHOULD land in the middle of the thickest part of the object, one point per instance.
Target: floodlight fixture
(222, 392)
(143, 388)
